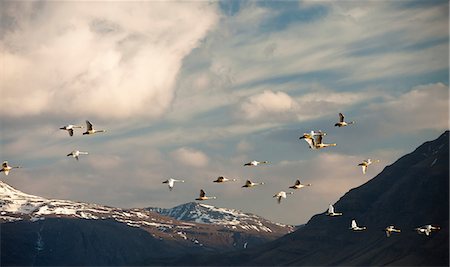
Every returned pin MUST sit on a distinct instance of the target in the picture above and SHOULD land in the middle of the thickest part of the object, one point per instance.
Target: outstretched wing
(341, 117)
(70, 132)
(202, 193)
(297, 182)
(88, 125)
(364, 169)
(310, 142)
(248, 182)
(319, 139)
(354, 225)
(330, 209)
(5, 164)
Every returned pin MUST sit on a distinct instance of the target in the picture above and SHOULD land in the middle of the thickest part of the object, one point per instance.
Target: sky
(192, 90)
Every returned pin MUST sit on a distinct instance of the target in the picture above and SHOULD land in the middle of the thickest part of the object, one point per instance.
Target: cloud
(423, 107)
(267, 103)
(115, 60)
(190, 157)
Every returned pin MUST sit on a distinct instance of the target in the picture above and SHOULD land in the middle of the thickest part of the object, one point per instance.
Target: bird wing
(248, 182)
(310, 142)
(341, 117)
(330, 209)
(88, 125)
(364, 169)
(297, 182)
(70, 132)
(202, 193)
(6, 172)
(388, 233)
(354, 225)
(5, 164)
(319, 139)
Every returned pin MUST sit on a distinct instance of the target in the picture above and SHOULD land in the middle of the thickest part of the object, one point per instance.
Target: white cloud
(105, 60)
(267, 103)
(424, 107)
(190, 157)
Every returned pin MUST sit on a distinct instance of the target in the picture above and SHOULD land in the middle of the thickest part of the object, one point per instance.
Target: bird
(426, 229)
(91, 130)
(391, 229)
(282, 194)
(298, 185)
(171, 182)
(312, 134)
(355, 227)
(69, 128)
(203, 196)
(222, 179)
(248, 183)
(6, 168)
(319, 144)
(341, 122)
(309, 138)
(255, 163)
(366, 164)
(331, 212)
(77, 153)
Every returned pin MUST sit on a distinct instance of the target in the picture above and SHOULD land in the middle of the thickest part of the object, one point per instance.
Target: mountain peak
(208, 214)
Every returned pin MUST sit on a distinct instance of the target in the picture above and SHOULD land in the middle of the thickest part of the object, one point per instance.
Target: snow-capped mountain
(230, 218)
(214, 229)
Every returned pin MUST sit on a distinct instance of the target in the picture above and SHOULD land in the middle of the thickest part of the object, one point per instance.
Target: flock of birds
(314, 140)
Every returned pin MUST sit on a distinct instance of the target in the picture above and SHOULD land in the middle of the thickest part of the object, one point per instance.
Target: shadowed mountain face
(40, 231)
(412, 192)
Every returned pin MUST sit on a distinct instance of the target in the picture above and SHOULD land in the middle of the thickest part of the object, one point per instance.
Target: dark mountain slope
(78, 242)
(412, 192)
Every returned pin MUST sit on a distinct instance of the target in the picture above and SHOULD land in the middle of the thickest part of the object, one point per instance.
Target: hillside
(40, 231)
(412, 192)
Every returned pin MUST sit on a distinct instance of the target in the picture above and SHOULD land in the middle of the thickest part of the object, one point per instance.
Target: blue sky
(193, 90)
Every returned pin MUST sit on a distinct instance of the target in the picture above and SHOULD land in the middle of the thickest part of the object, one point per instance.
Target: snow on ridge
(208, 214)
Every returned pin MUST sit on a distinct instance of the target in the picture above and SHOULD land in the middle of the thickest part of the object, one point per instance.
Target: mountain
(412, 192)
(40, 231)
(230, 218)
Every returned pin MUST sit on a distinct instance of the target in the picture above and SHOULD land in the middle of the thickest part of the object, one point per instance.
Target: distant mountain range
(412, 192)
(62, 232)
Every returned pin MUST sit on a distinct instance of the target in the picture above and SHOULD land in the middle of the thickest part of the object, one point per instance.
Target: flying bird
(319, 143)
(77, 153)
(282, 194)
(248, 183)
(390, 229)
(365, 164)
(309, 138)
(6, 168)
(91, 130)
(355, 227)
(69, 128)
(255, 163)
(341, 122)
(331, 212)
(203, 196)
(299, 185)
(171, 182)
(427, 229)
(222, 179)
